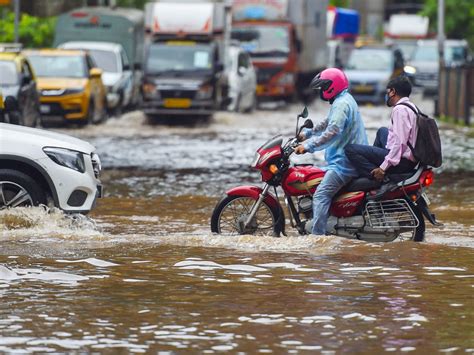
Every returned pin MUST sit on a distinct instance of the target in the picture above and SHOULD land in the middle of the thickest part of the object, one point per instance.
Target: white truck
(287, 42)
(184, 57)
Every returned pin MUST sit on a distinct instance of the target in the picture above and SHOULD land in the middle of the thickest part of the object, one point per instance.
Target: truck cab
(184, 58)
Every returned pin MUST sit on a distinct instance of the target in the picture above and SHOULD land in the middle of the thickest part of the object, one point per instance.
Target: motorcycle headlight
(255, 160)
(204, 92)
(67, 158)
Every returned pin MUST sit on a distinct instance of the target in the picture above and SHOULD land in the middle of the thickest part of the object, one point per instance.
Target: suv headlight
(67, 158)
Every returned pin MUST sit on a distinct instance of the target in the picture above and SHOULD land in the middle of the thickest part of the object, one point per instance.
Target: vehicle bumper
(76, 192)
(71, 107)
(158, 107)
(271, 91)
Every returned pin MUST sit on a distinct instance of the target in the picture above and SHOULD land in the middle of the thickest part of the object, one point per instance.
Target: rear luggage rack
(392, 214)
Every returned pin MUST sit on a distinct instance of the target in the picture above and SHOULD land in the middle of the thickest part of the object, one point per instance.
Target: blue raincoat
(343, 126)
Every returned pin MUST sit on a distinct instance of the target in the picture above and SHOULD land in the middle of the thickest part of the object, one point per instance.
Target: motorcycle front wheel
(231, 212)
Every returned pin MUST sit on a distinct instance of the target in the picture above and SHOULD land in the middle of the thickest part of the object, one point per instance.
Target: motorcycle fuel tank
(302, 180)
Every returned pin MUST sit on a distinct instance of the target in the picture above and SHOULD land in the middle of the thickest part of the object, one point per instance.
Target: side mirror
(95, 73)
(304, 113)
(126, 67)
(241, 71)
(308, 124)
(137, 66)
(11, 104)
(25, 80)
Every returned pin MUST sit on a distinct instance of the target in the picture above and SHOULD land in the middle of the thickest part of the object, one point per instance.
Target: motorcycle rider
(343, 126)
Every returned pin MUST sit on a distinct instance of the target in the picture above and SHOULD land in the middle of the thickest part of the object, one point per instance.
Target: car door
(243, 69)
(127, 77)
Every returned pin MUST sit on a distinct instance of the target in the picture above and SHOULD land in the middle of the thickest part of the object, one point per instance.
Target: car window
(105, 60)
(243, 61)
(371, 59)
(9, 75)
(59, 66)
(90, 62)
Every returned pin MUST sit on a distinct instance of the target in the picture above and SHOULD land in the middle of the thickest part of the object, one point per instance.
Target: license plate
(425, 197)
(260, 89)
(177, 103)
(45, 109)
(363, 88)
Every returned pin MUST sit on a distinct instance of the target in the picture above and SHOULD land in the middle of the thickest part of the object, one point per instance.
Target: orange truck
(287, 42)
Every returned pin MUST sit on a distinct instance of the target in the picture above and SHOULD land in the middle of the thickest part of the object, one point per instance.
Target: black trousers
(366, 158)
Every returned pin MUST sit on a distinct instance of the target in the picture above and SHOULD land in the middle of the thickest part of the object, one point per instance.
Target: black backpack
(427, 148)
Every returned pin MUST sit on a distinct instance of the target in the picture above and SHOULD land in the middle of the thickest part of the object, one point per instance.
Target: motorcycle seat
(362, 184)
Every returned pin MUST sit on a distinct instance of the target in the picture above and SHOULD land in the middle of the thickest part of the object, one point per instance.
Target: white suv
(42, 167)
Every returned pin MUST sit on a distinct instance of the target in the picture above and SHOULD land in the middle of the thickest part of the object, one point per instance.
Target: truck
(122, 26)
(287, 42)
(185, 58)
(404, 31)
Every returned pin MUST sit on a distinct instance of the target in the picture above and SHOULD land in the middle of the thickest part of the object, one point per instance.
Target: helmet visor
(322, 84)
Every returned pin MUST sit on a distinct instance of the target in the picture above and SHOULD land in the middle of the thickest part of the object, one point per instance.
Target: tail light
(428, 178)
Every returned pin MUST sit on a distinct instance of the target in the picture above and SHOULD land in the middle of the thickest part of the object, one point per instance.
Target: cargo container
(287, 42)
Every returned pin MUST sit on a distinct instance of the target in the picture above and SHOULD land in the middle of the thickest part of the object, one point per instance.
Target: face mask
(387, 99)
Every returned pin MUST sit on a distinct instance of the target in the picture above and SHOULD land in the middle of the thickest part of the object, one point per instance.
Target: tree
(33, 31)
(458, 18)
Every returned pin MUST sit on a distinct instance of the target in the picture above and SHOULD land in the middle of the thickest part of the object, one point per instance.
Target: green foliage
(33, 31)
(459, 17)
(139, 4)
(339, 3)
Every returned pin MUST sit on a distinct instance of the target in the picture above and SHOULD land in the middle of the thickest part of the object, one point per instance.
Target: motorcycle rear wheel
(230, 213)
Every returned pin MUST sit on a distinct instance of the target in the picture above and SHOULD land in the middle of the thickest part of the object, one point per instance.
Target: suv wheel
(18, 190)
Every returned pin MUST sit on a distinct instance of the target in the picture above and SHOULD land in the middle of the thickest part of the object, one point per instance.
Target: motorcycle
(359, 211)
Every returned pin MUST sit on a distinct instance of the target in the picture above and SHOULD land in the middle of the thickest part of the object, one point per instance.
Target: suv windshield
(371, 59)
(105, 60)
(164, 57)
(61, 66)
(9, 75)
(264, 40)
(430, 54)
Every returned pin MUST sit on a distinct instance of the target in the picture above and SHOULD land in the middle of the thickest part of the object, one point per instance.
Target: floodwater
(143, 274)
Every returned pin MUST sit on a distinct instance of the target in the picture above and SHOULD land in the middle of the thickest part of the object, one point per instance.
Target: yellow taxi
(70, 85)
(17, 79)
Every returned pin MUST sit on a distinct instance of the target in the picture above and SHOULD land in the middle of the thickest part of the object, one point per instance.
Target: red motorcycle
(359, 211)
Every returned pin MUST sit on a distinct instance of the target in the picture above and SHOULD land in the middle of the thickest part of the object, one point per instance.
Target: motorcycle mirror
(304, 113)
(308, 124)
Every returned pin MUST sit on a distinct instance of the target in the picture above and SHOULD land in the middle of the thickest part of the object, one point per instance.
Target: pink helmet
(331, 82)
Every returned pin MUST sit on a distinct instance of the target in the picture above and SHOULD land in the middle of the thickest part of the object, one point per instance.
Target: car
(39, 167)
(70, 85)
(369, 69)
(18, 79)
(423, 67)
(242, 81)
(117, 73)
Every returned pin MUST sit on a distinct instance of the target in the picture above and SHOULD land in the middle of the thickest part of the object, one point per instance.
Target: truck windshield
(9, 75)
(179, 57)
(60, 66)
(105, 60)
(430, 54)
(371, 59)
(264, 40)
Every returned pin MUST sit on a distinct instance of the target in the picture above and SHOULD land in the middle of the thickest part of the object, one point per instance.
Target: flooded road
(143, 274)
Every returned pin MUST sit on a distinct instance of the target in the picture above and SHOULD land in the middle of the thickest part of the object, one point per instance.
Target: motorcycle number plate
(425, 197)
